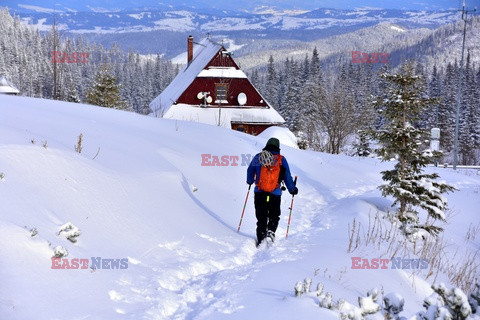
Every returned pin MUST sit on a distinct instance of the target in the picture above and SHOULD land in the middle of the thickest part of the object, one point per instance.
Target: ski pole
(291, 208)
(244, 206)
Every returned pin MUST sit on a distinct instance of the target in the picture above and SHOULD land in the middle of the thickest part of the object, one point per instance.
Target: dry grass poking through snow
(462, 266)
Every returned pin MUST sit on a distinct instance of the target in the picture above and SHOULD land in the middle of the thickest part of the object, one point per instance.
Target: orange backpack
(269, 175)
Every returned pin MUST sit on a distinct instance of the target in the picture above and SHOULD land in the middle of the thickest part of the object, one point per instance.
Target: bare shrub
(462, 267)
(472, 232)
(79, 147)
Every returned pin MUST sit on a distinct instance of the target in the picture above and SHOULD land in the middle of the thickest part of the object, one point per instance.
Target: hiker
(268, 169)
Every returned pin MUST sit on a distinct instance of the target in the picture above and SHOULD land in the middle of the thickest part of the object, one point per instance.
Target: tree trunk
(402, 154)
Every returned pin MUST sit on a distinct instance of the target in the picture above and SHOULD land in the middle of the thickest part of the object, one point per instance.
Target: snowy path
(237, 277)
(209, 284)
(146, 197)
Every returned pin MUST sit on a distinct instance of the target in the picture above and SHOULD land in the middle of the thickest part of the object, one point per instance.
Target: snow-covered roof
(219, 72)
(210, 115)
(166, 103)
(203, 52)
(6, 87)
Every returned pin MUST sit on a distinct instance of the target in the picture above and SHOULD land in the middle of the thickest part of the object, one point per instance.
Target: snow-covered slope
(138, 191)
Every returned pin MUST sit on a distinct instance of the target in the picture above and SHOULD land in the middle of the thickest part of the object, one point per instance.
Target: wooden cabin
(212, 89)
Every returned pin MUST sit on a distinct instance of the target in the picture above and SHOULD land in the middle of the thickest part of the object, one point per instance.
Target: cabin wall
(253, 129)
(222, 60)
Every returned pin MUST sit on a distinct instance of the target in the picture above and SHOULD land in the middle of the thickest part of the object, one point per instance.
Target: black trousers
(267, 210)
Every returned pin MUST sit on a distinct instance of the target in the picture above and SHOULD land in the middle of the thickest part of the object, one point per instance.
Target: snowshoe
(258, 243)
(262, 244)
(270, 238)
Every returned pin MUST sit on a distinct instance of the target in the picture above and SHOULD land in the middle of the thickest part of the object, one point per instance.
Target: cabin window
(221, 92)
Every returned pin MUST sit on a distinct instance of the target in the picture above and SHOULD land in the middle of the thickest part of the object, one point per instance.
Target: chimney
(190, 49)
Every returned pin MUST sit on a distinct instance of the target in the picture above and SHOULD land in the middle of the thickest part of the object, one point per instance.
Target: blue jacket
(253, 174)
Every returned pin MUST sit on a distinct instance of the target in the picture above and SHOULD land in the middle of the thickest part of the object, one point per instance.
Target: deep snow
(146, 197)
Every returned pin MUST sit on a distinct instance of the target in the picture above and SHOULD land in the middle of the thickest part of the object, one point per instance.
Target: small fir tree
(401, 108)
(362, 147)
(105, 91)
(73, 96)
(446, 304)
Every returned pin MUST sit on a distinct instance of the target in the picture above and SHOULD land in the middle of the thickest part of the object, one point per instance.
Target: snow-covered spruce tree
(362, 147)
(393, 305)
(447, 107)
(271, 83)
(446, 304)
(474, 300)
(299, 289)
(399, 138)
(73, 95)
(469, 133)
(105, 91)
(313, 91)
(366, 305)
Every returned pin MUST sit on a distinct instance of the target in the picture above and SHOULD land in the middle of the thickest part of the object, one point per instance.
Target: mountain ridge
(244, 5)
(179, 19)
(142, 29)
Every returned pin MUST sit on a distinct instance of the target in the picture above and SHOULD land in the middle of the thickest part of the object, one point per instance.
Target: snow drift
(138, 193)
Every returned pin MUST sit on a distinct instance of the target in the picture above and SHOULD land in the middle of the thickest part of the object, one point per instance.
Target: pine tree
(468, 121)
(271, 83)
(476, 102)
(315, 99)
(362, 147)
(73, 95)
(434, 88)
(425, 118)
(105, 91)
(401, 108)
(26, 60)
(357, 82)
(293, 99)
(446, 304)
(305, 75)
(446, 107)
(316, 71)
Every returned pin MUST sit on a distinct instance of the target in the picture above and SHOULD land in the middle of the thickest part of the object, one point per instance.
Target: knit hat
(273, 144)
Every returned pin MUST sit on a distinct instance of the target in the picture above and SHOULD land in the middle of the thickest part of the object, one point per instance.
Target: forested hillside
(326, 102)
(443, 45)
(26, 61)
(383, 37)
(326, 109)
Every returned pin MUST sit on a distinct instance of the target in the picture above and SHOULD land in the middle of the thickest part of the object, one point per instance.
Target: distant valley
(163, 31)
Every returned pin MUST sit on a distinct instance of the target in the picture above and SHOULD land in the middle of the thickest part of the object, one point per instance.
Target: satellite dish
(209, 99)
(200, 96)
(242, 98)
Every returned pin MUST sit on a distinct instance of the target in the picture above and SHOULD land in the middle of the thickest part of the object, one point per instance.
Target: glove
(294, 191)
